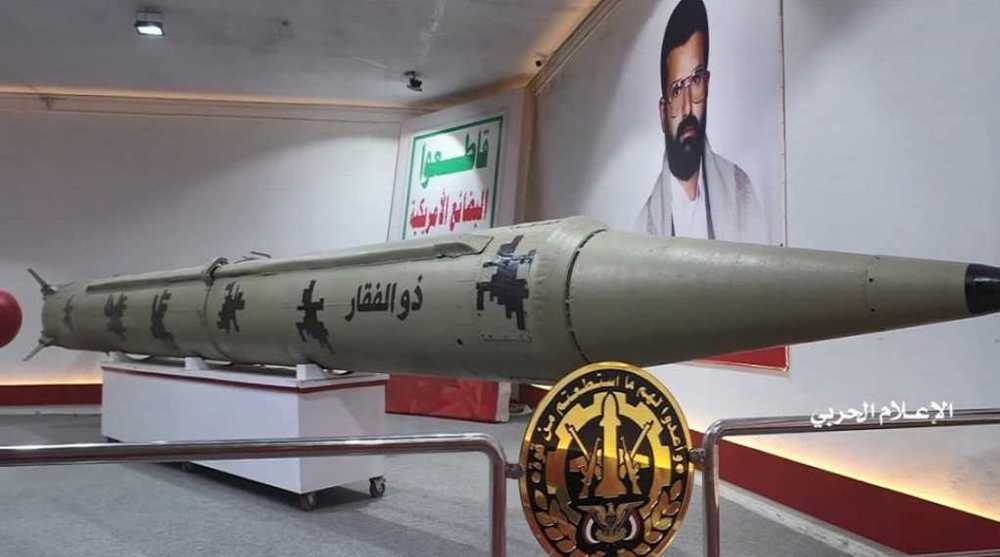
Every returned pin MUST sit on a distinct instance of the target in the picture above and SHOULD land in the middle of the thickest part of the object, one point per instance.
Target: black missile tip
(982, 289)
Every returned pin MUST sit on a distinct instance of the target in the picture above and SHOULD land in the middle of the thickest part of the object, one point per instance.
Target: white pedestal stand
(156, 402)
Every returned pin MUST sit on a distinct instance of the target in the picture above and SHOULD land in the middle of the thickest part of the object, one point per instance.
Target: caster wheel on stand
(376, 486)
(308, 501)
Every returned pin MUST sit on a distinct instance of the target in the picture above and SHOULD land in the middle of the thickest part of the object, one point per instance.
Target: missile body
(530, 301)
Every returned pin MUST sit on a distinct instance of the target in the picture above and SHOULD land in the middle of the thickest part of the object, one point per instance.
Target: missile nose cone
(982, 289)
(10, 317)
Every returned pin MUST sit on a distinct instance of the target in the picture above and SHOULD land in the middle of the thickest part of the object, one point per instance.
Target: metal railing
(709, 456)
(500, 470)
(100, 453)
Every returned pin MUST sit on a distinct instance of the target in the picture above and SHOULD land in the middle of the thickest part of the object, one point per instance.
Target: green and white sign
(453, 179)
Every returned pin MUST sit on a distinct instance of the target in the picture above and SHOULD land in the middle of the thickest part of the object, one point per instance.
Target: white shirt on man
(726, 207)
(690, 215)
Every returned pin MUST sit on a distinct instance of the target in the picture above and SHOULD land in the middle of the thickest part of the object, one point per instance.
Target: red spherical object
(10, 317)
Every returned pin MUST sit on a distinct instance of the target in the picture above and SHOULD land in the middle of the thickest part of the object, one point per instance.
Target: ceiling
(335, 50)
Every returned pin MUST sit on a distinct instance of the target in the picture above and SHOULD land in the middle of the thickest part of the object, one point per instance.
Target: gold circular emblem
(607, 467)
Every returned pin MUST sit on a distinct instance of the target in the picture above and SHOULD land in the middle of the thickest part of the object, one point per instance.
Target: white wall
(91, 195)
(892, 148)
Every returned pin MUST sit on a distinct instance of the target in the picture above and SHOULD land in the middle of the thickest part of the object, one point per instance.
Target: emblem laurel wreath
(557, 527)
(657, 521)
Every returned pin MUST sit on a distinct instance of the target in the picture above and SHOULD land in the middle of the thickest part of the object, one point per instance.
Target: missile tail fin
(47, 289)
(42, 343)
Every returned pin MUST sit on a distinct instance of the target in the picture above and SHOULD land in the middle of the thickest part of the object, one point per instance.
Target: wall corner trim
(564, 53)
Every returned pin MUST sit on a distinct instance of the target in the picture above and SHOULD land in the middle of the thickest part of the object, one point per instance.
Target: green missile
(526, 302)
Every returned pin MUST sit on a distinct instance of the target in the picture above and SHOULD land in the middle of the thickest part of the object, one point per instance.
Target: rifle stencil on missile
(156, 327)
(115, 311)
(310, 324)
(504, 286)
(233, 302)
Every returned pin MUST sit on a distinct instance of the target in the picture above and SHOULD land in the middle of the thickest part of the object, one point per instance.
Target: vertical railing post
(498, 505)
(710, 477)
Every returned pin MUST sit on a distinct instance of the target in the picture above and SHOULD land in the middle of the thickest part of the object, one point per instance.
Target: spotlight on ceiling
(149, 24)
(413, 81)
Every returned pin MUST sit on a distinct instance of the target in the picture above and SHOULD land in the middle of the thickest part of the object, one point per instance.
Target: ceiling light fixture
(149, 24)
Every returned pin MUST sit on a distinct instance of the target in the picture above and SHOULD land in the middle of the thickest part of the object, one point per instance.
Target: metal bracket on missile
(253, 256)
(208, 274)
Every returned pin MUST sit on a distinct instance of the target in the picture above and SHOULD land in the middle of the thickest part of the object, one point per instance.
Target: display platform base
(145, 401)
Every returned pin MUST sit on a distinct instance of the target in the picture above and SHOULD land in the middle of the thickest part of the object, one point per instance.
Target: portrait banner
(691, 91)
